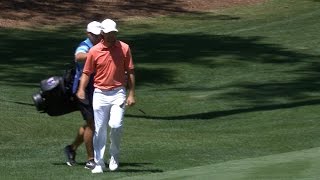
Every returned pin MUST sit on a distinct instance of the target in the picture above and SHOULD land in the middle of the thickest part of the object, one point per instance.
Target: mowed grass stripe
(293, 165)
(279, 23)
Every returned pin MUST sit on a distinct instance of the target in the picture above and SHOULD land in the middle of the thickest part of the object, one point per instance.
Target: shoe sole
(70, 164)
(69, 153)
(97, 171)
(88, 167)
(114, 169)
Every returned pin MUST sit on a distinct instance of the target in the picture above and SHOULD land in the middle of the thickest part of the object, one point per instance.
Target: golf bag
(55, 96)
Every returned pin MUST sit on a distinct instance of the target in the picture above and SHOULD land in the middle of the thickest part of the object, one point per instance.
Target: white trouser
(108, 107)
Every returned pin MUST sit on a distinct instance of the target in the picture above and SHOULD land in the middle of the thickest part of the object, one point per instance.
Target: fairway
(231, 93)
(294, 165)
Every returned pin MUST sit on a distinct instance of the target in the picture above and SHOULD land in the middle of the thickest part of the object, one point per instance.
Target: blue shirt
(83, 47)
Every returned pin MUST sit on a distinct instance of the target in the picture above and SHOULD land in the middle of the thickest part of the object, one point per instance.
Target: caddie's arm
(131, 88)
(85, 77)
(82, 87)
(81, 57)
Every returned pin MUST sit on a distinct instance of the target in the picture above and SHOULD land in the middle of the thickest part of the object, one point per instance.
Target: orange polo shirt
(109, 65)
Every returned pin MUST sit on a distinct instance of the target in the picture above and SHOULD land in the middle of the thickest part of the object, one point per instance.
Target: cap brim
(109, 30)
(95, 32)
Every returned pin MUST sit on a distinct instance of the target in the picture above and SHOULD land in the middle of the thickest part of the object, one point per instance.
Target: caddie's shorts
(86, 110)
(85, 107)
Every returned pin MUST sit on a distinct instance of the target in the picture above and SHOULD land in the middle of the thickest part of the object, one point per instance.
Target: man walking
(111, 60)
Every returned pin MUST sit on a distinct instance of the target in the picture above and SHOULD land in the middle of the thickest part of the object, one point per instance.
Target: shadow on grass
(137, 167)
(18, 102)
(75, 12)
(217, 114)
(141, 170)
(208, 52)
(124, 167)
(28, 57)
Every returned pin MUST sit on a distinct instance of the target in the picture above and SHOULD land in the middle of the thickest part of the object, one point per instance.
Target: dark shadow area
(62, 7)
(46, 54)
(299, 89)
(124, 167)
(33, 56)
(216, 114)
(264, 93)
(189, 48)
(38, 12)
(141, 170)
(16, 102)
(155, 76)
(205, 51)
(28, 57)
(124, 164)
(61, 164)
(201, 16)
(137, 167)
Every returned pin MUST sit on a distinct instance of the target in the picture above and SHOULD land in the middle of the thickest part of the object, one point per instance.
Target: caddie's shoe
(97, 169)
(113, 164)
(90, 164)
(70, 155)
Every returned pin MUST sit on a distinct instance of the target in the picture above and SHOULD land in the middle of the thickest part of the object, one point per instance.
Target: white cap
(109, 25)
(94, 27)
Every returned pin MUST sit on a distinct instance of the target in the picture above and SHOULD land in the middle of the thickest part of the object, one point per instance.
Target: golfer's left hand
(130, 101)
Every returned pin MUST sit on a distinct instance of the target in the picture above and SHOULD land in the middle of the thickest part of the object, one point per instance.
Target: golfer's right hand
(81, 95)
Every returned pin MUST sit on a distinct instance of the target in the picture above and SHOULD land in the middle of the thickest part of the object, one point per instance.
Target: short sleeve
(128, 60)
(89, 66)
(82, 48)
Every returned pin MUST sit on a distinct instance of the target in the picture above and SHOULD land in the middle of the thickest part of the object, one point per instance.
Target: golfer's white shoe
(97, 169)
(113, 164)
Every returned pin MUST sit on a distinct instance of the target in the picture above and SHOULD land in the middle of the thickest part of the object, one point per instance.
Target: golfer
(110, 60)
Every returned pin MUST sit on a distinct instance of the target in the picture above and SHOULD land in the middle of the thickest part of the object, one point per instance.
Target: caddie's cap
(108, 25)
(94, 27)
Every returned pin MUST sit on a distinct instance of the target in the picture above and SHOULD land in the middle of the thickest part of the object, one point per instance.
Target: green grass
(292, 165)
(227, 94)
